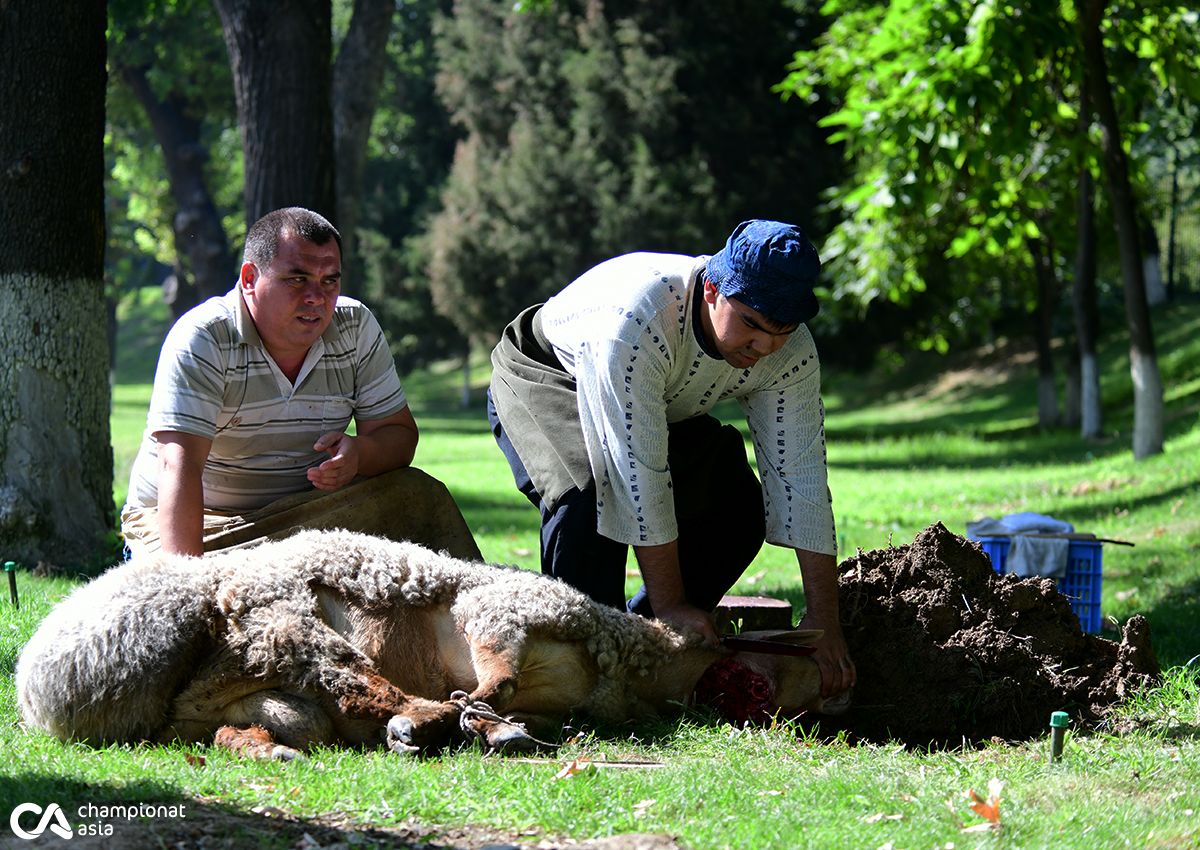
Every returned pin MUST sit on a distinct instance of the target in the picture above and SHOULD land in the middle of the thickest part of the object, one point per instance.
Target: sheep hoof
(400, 748)
(281, 753)
(508, 738)
(400, 736)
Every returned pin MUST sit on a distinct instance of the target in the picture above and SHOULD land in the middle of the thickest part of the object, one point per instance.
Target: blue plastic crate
(1081, 584)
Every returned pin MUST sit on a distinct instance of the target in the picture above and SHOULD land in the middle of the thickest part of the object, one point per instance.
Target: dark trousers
(718, 506)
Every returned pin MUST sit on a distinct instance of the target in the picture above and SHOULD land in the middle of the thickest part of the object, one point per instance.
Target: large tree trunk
(280, 54)
(357, 76)
(1083, 295)
(55, 455)
(199, 234)
(1143, 362)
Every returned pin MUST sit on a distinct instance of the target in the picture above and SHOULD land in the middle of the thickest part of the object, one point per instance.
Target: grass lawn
(924, 441)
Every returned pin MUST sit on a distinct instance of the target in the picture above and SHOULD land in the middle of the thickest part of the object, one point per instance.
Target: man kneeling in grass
(246, 432)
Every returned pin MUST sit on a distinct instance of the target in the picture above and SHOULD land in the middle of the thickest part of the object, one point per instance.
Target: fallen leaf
(194, 760)
(642, 806)
(988, 809)
(574, 768)
(772, 793)
(879, 816)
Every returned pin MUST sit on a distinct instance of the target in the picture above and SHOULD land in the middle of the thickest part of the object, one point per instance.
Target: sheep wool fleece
(625, 332)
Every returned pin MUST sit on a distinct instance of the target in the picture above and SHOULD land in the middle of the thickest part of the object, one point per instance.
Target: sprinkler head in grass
(11, 569)
(1058, 731)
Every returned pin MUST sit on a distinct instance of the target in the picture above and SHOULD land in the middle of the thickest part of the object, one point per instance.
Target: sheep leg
(292, 723)
(370, 707)
(497, 673)
(510, 734)
(254, 742)
(266, 723)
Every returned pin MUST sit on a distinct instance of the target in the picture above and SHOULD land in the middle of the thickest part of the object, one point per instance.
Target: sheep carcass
(332, 637)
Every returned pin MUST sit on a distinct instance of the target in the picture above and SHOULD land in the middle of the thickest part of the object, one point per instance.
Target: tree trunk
(280, 55)
(200, 238)
(1171, 248)
(1156, 292)
(1083, 294)
(357, 76)
(1044, 333)
(55, 454)
(1143, 362)
(1072, 397)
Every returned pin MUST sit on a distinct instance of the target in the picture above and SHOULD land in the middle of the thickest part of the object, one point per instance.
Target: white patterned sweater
(624, 330)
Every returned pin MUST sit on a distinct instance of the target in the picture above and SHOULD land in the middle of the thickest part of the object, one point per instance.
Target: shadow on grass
(1175, 624)
(179, 820)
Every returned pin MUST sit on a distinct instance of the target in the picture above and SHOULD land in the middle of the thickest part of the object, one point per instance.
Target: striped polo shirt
(625, 331)
(216, 380)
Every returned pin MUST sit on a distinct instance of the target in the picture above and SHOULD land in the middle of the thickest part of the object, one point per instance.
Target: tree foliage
(170, 101)
(959, 124)
(408, 156)
(594, 128)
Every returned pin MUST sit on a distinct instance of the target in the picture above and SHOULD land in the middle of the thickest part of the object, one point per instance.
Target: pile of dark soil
(949, 652)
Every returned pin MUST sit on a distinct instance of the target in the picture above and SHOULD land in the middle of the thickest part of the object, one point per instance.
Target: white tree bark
(1156, 288)
(1147, 405)
(55, 455)
(1047, 402)
(1092, 417)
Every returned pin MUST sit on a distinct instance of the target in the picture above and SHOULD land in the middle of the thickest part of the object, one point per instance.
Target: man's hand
(689, 618)
(342, 466)
(381, 446)
(838, 672)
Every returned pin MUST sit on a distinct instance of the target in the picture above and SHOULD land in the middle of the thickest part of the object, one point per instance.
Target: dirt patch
(948, 651)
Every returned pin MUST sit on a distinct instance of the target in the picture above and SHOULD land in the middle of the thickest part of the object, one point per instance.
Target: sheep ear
(795, 637)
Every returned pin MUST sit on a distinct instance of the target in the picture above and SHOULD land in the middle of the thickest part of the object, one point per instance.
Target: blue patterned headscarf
(770, 267)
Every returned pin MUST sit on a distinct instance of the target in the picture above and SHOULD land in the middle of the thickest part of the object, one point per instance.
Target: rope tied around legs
(473, 709)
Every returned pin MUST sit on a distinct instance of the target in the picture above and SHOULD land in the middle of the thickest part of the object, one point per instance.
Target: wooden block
(746, 613)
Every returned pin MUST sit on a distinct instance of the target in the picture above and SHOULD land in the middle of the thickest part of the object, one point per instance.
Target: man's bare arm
(181, 459)
(664, 587)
